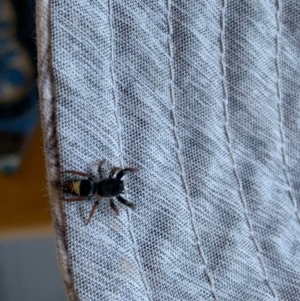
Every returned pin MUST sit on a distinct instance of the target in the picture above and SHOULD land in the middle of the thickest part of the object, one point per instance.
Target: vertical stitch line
(112, 71)
(232, 156)
(280, 112)
(179, 158)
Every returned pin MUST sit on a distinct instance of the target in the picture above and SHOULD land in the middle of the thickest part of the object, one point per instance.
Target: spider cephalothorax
(109, 187)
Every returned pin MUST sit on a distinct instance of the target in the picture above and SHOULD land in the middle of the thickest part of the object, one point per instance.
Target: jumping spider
(110, 187)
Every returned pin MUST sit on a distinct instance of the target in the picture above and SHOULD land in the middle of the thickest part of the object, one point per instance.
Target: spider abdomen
(110, 187)
(79, 187)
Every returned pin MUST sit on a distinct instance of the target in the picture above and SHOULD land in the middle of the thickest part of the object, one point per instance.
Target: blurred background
(28, 266)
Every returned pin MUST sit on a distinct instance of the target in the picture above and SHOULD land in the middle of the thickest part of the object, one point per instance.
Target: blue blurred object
(18, 92)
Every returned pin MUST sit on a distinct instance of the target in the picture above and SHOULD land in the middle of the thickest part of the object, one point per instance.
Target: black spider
(106, 187)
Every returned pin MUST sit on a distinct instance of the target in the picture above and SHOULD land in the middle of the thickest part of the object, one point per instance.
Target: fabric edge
(48, 122)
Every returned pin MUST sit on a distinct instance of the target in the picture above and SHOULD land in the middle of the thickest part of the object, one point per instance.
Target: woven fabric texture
(203, 98)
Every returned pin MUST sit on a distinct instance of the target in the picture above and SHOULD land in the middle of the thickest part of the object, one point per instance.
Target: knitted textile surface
(203, 98)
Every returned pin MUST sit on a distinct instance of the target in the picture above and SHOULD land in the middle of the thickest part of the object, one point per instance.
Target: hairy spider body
(110, 187)
(106, 187)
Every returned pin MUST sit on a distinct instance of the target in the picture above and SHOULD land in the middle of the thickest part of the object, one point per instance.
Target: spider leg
(125, 202)
(124, 171)
(113, 206)
(113, 171)
(96, 204)
(74, 172)
(76, 199)
(100, 168)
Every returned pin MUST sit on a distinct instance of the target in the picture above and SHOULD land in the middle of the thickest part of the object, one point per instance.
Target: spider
(110, 187)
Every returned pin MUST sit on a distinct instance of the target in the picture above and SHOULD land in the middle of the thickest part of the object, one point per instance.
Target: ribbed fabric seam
(110, 16)
(231, 153)
(179, 158)
(280, 113)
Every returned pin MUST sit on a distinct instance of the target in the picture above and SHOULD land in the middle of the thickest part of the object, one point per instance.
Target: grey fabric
(203, 98)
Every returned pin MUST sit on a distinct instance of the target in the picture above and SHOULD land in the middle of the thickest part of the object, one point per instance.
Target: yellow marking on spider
(76, 187)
